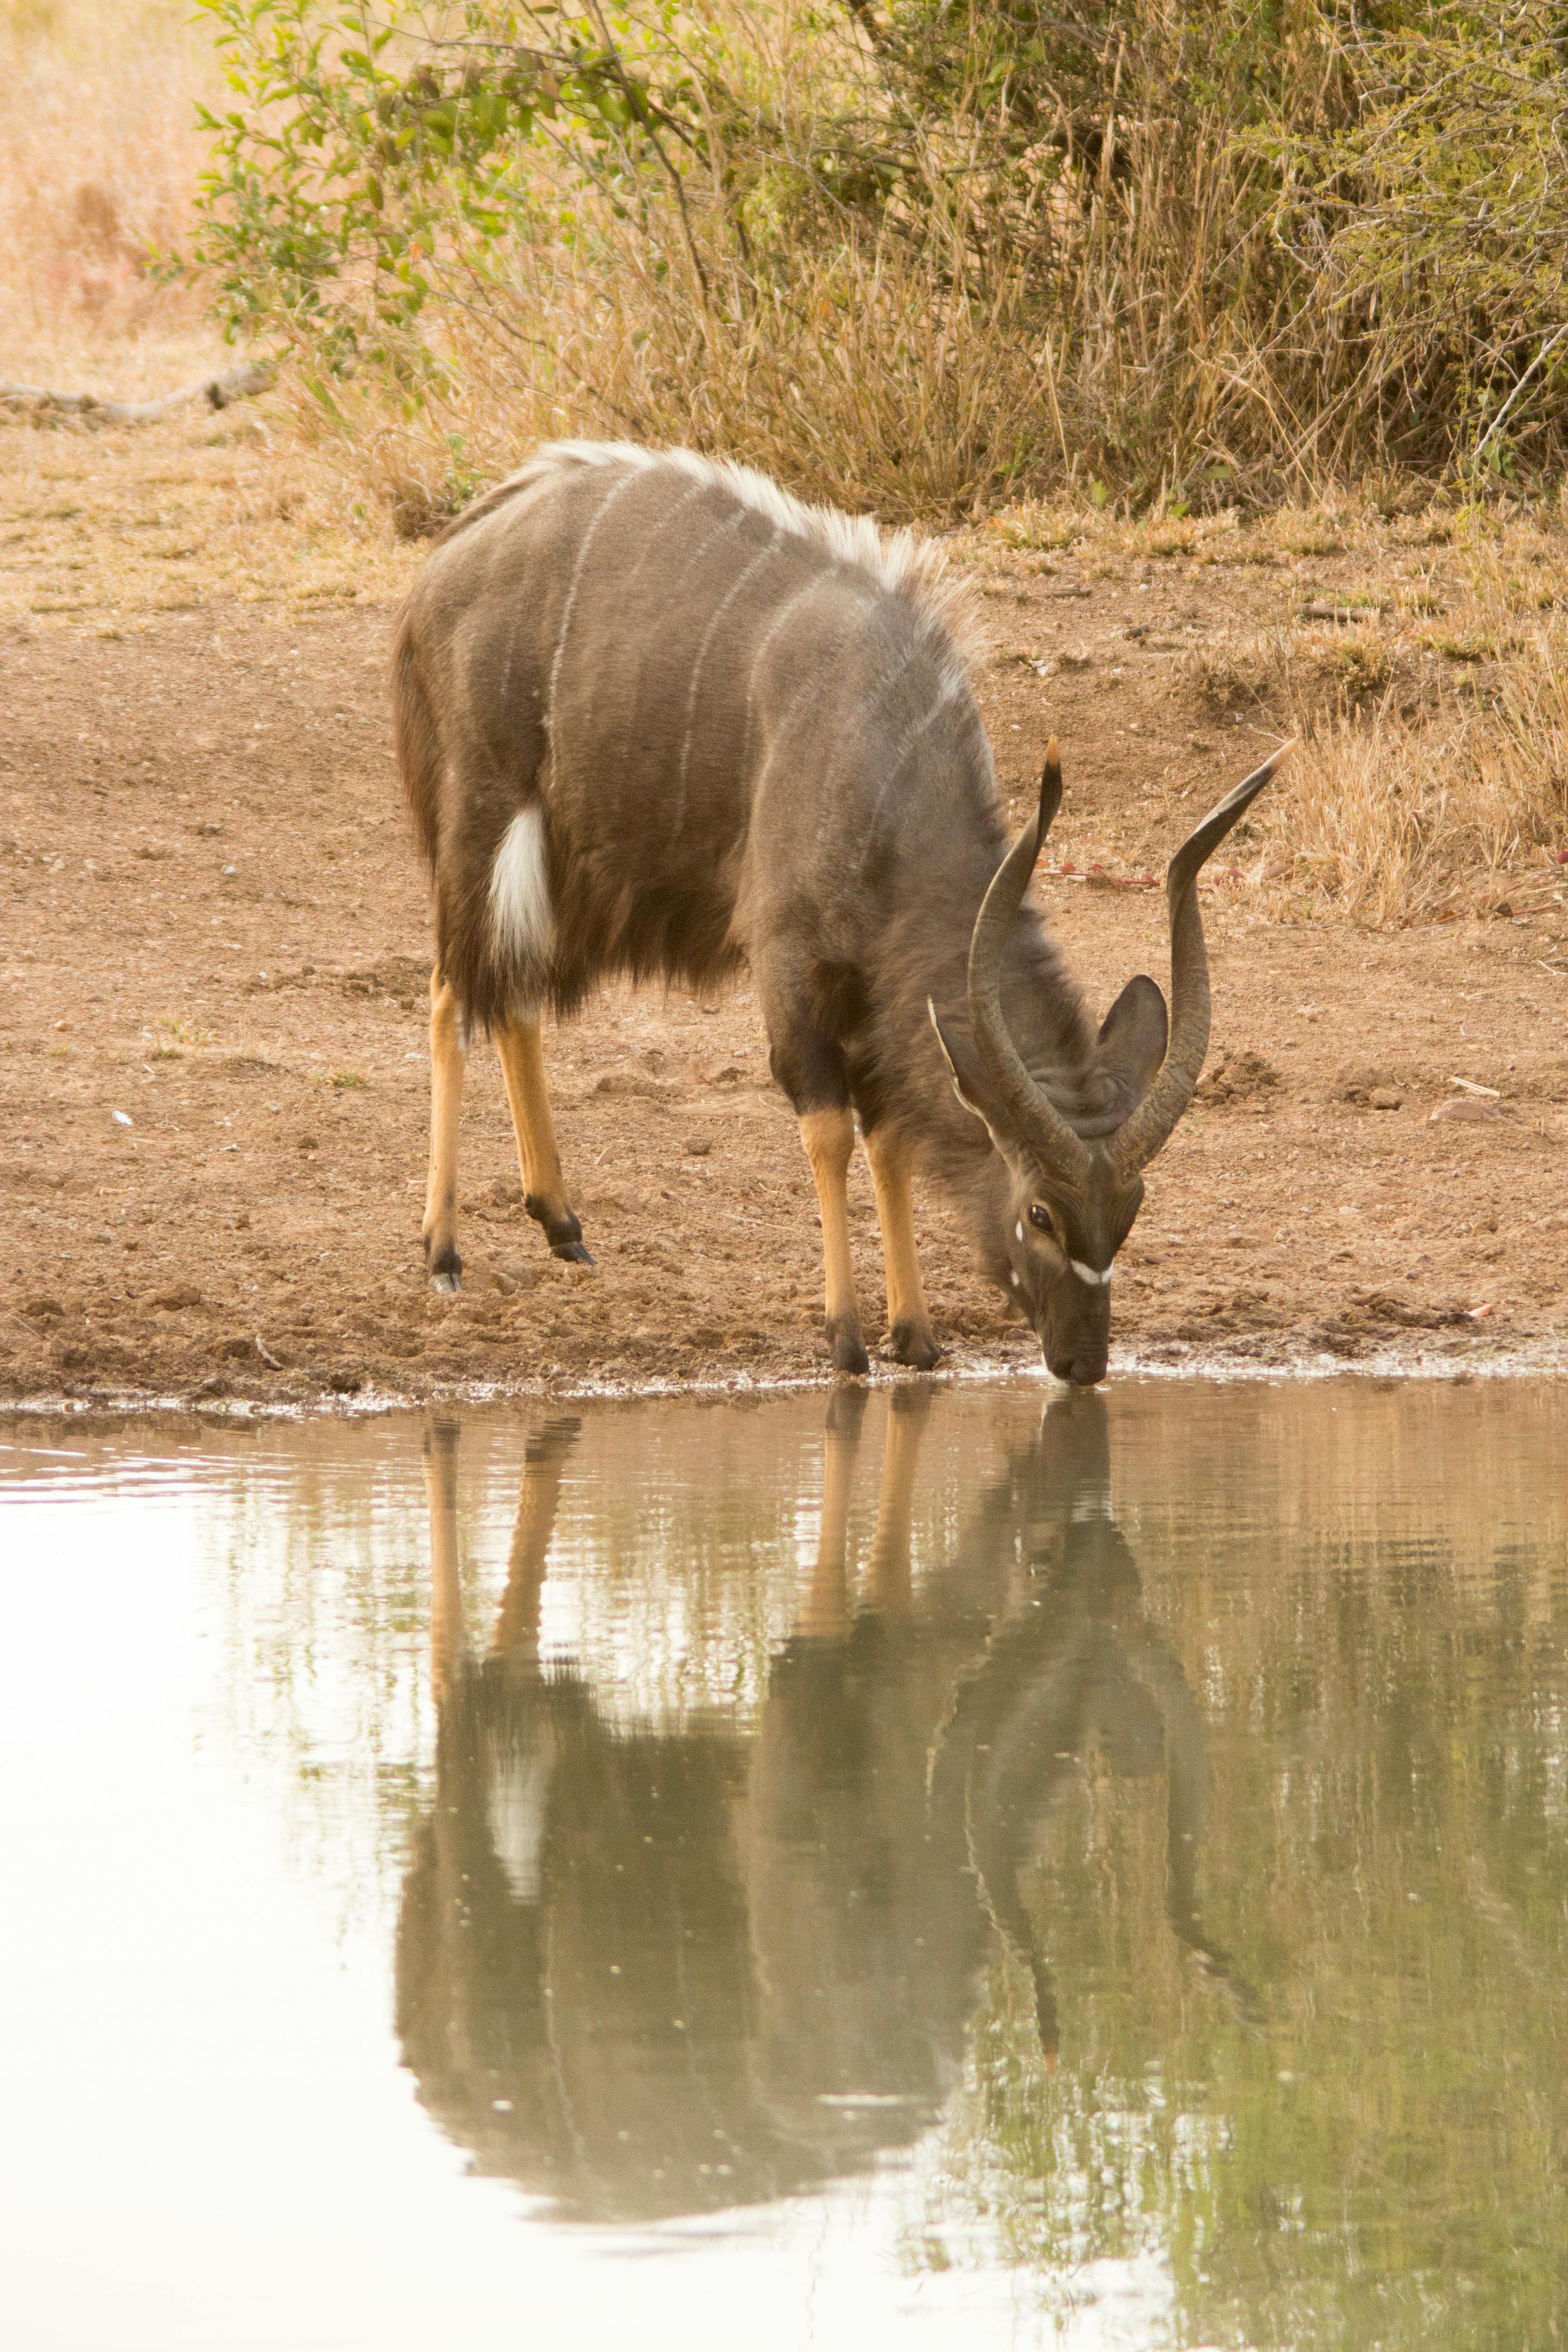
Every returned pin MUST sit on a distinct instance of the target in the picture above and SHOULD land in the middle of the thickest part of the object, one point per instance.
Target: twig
(1544, 353)
(266, 1354)
(654, 140)
(217, 390)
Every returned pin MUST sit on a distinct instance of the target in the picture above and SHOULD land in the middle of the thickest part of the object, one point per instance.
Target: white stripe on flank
(521, 918)
(952, 682)
(1087, 1273)
(810, 682)
(632, 474)
(762, 556)
(786, 612)
(897, 562)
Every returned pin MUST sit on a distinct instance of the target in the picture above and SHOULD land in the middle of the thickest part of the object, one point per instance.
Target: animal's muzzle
(1082, 1367)
(1075, 1332)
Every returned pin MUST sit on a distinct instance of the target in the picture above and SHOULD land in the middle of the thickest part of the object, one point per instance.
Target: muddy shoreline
(1465, 1363)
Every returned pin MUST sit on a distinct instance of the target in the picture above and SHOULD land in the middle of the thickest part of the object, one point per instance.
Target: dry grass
(109, 530)
(1422, 661)
(1433, 702)
(871, 384)
(1439, 787)
(99, 158)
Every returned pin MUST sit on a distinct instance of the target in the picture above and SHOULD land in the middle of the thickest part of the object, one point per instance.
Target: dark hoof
(446, 1267)
(913, 1344)
(848, 1353)
(561, 1229)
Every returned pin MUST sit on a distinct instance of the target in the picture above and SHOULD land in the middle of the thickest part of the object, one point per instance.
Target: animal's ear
(963, 1068)
(1132, 1044)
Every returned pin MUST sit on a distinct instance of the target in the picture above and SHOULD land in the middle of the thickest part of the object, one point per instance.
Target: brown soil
(212, 1052)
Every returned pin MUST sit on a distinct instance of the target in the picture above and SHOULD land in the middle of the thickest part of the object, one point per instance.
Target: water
(831, 1873)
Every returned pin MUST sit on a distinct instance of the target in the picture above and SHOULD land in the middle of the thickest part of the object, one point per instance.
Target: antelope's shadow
(645, 1973)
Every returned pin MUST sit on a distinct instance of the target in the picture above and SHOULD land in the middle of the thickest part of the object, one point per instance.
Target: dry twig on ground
(217, 390)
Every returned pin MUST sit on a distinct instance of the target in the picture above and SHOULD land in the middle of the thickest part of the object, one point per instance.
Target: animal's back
(635, 645)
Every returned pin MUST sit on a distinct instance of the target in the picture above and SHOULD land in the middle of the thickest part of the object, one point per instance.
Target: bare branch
(217, 390)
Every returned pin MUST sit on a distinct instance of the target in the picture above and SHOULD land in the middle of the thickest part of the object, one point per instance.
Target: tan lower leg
(829, 1139)
(445, 1589)
(448, 1056)
(449, 1661)
(909, 1324)
(887, 1587)
(544, 1194)
(825, 1607)
(517, 1619)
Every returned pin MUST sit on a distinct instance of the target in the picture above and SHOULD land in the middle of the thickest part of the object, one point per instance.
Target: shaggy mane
(904, 564)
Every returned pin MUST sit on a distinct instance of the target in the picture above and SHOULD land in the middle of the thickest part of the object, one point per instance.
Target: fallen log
(217, 390)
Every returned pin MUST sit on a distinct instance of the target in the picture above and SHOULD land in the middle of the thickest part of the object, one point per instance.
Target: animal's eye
(1040, 1218)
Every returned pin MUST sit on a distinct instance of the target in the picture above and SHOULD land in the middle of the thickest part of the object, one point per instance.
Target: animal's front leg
(888, 1589)
(829, 1139)
(824, 1604)
(909, 1325)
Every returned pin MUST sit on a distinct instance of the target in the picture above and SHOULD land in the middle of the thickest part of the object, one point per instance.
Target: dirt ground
(214, 958)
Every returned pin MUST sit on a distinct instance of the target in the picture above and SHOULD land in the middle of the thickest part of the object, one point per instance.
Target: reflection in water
(1115, 1857)
(654, 1972)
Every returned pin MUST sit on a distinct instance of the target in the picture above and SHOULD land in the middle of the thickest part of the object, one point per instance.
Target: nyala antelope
(679, 1965)
(657, 718)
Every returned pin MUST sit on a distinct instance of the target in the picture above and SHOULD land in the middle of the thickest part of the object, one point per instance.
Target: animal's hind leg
(448, 1645)
(909, 1325)
(543, 1193)
(517, 1619)
(449, 1053)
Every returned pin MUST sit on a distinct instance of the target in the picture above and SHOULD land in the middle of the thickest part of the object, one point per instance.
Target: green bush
(927, 254)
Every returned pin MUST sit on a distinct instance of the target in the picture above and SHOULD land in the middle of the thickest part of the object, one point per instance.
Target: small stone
(184, 1294)
(512, 1280)
(1471, 1109)
(697, 1147)
(121, 1119)
(1358, 1086)
(1384, 1099)
(1238, 1078)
